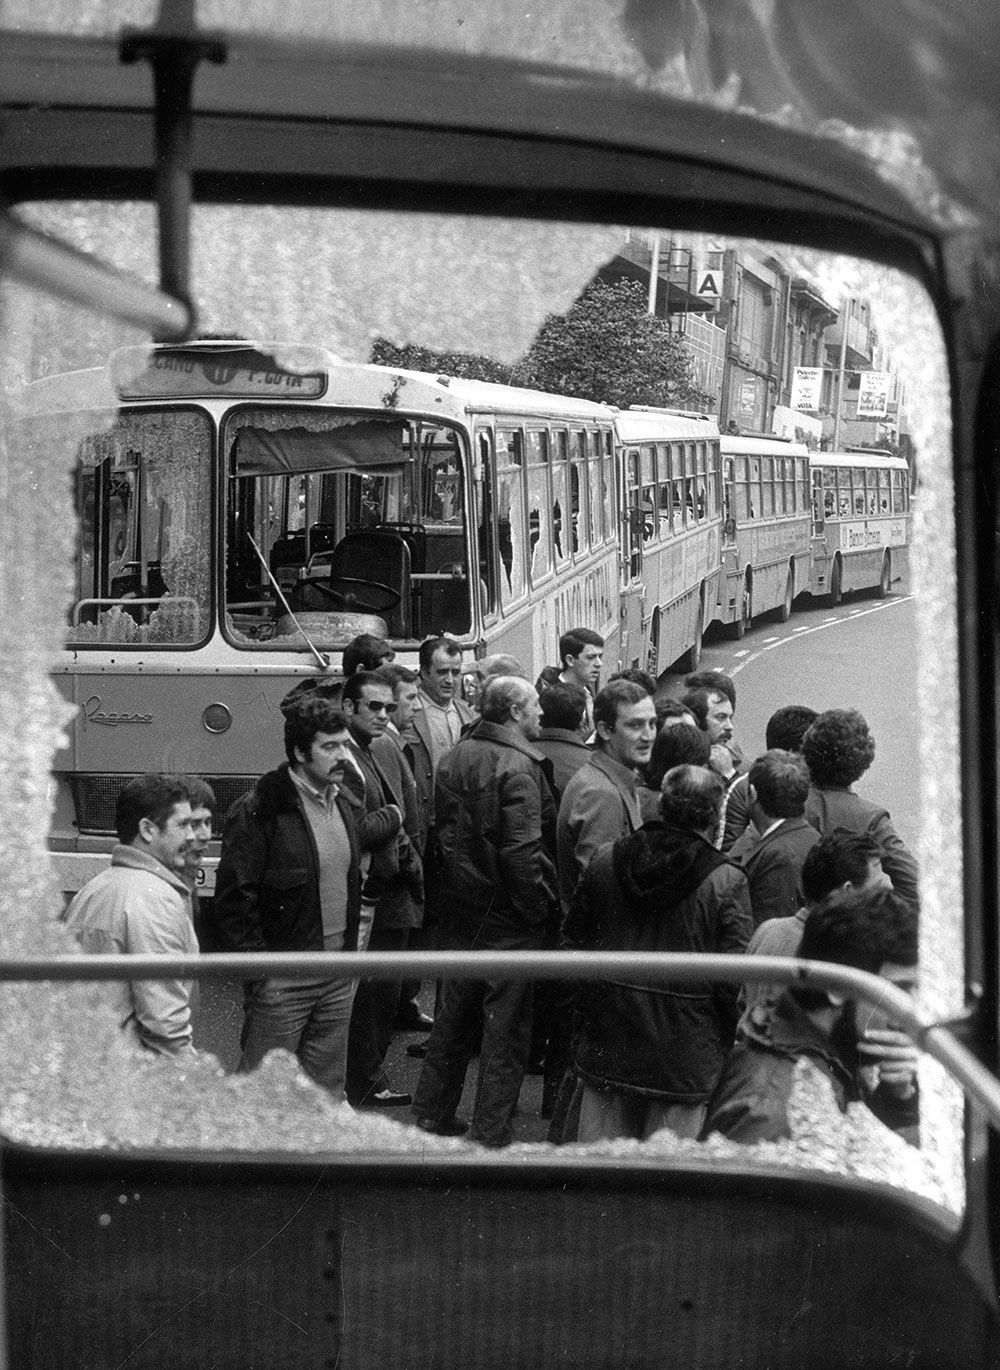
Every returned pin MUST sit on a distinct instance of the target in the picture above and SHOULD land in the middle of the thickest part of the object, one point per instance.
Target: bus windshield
(143, 500)
(332, 515)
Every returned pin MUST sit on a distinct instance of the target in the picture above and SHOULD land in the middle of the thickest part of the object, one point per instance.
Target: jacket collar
(624, 777)
(788, 1030)
(123, 854)
(504, 736)
(564, 735)
(786, 825)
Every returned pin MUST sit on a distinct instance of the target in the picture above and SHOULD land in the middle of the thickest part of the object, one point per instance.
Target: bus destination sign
(243, 372)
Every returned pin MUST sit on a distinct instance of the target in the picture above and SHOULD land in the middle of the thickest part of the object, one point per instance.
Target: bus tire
(836, 592)
(885, 580)
(785, 607)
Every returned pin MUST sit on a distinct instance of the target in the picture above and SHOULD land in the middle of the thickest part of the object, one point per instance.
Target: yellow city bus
(765, 543)
(860, 523)
(242, 519)
(673, 514)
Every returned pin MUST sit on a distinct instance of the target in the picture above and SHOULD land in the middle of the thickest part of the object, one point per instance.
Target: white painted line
(745, 651)
(772, 639)
(771, 644)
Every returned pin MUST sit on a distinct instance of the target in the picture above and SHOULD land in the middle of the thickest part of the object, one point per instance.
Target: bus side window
(560, 513)
(648, 472)
(595, 495)
(510, 515)
(485, 525)
(663, 460)
(603, 446)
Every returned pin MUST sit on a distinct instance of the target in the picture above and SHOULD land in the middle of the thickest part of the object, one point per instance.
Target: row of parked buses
(338, 166)
(244, 512)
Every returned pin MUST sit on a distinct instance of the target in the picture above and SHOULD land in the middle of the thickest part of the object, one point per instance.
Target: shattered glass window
(338, 516)
(142, 493)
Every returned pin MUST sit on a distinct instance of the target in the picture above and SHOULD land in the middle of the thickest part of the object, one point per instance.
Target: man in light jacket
(601, 802)
(142, 904)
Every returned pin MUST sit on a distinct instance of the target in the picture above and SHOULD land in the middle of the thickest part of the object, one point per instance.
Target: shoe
(413, 1019)
(417, 1050)
(388, 1098)
(453, 1127)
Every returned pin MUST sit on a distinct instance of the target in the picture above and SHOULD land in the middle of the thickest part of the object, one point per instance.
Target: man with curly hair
(838, 749)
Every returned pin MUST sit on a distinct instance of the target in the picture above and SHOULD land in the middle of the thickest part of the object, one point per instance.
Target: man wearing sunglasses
(393, 888)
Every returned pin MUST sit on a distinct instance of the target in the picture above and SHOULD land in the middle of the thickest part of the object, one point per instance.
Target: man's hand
(721, 760)
(892, 1059)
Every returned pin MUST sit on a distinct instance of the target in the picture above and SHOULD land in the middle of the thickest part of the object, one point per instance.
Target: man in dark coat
(289, 880)
(859, 1052)
(772, 851)
(564, 709)
(394, 886)
(495, 817)
(649, 1054)
(838, 749)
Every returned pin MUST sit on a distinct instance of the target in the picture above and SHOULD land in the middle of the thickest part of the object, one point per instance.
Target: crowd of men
(554, 814)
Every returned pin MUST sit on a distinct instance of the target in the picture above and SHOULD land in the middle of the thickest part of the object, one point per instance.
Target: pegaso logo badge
(93, 712)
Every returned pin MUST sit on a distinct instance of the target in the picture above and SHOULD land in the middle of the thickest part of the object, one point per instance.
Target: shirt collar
(325, 797)
(429, 703)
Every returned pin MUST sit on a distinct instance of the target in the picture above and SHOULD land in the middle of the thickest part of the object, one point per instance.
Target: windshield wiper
(321, 658)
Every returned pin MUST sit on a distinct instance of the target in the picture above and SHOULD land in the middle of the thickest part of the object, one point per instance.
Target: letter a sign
(709, 285)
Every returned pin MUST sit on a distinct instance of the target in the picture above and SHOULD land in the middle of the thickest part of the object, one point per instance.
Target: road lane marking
(771, 643)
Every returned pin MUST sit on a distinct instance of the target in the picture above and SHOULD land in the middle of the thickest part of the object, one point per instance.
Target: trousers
(309, 1018)
(502, 1010)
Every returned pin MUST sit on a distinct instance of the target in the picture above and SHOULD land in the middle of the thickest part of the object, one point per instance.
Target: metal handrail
(978, 1083)
(35, 259)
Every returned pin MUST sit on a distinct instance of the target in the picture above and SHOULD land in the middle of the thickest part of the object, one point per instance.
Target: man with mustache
(289, 880)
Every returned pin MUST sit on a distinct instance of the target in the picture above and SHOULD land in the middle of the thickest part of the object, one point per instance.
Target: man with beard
(859, 1052)
(649, 1054)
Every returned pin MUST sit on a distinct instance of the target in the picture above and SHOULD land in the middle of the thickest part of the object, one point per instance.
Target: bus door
(730, 590)
(824, 508)
(633, 589)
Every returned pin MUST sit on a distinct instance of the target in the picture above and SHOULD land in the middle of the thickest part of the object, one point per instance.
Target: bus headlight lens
(217, 718)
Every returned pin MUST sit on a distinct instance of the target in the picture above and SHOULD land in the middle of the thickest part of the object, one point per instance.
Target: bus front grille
(95, 797)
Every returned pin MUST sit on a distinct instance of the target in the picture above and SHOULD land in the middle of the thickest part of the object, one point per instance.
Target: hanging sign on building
(873, 395)
(709, 285)
(807, 384)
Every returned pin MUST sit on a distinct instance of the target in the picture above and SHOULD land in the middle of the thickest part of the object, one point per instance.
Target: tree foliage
(409, 357)
(606, 347)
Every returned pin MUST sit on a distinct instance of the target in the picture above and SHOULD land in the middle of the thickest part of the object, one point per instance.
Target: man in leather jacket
(289, 880)
(495, 816)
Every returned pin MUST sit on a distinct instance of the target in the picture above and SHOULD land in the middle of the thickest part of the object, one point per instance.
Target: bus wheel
(836, 593)
(785, 608)
(885, 580)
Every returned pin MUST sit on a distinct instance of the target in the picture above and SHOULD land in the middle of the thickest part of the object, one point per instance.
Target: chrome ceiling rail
(34, 259)
(978, 1084)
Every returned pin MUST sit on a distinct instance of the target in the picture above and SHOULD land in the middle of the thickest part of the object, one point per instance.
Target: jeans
(309, 1018)
(503, 1010)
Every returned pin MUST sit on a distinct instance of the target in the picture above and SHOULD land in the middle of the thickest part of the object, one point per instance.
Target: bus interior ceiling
(458, 135)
